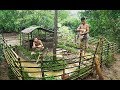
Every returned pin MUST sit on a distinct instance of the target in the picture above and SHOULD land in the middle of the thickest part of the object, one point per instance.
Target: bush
(71, 22)
(66, 39)
(16, 20)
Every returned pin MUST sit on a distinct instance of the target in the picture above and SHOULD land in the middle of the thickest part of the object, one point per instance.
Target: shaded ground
(12, 38)
(4, 71)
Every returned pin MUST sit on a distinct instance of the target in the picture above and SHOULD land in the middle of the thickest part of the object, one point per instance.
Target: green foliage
(68, 48)
(109, 60)
(16, 20)
(71, 22)
(62, 15)
(104, 22)
(11, 75)
(108, 54)
(50, 78)
(27, 53)
(65, 35)
(66, 39)
(53, 65)
(26, 76)
(81, 72)
(48, 62)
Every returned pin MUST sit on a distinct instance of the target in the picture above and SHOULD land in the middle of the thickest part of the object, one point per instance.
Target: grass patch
(27, 53)
(81, 72)
(50, 78)
(69, 49)
(26, 76)
(108, 61)
(49, 63)
(53, 65)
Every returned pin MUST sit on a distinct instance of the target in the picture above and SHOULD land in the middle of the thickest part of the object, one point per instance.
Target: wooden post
(81, 50)
(101, 57)
(20, 39)
(20, 67)
(31, 35)
(64, 76)
(28, 36)
(42, 68)
(108, 47)
(80, 58)
(45, 35)
(55, 35)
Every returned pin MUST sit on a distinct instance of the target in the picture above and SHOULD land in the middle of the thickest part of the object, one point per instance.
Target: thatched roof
(32, 28)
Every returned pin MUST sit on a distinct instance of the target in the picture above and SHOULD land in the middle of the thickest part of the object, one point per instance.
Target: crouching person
(37, 44)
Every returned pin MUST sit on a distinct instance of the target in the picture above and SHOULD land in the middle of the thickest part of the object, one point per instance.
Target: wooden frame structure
(29, 32)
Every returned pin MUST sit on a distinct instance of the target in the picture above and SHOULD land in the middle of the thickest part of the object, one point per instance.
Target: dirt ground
(4, 71)
(112, 73)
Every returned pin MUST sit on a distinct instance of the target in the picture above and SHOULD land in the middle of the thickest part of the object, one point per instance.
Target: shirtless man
(37, 44)
(83, 31)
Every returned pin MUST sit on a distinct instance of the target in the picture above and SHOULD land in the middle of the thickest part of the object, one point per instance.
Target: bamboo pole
(12, 66)
(20, 68)
(42, 69)
(101, 55)
(20, 39)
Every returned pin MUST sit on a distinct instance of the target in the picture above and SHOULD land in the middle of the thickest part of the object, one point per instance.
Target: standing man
(83, 35)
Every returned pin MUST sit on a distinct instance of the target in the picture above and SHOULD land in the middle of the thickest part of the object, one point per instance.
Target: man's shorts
(83, 40)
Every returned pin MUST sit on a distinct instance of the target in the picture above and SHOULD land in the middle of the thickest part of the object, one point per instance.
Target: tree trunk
(55, 35)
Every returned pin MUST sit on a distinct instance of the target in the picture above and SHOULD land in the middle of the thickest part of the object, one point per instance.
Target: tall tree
(55, 34)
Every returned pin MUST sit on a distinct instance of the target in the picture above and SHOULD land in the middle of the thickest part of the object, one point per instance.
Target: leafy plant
(26, 76)
(50, 78)
(104, 23)
(27, 53)
(80, 72)
(53, 65)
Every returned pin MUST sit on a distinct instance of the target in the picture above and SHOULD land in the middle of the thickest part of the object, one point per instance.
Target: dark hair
(83, 18)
